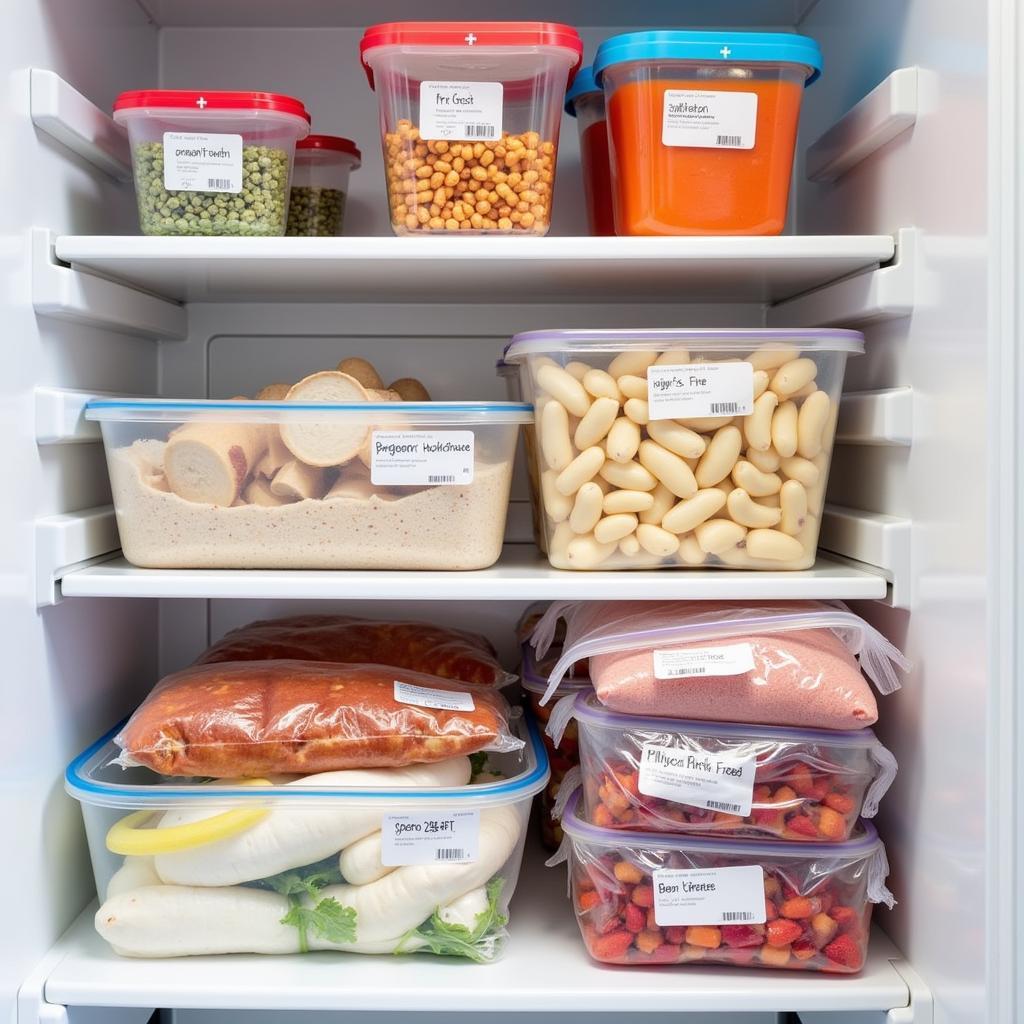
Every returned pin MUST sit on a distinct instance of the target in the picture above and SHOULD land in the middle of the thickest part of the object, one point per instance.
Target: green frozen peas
(260, 208)
(316, 210)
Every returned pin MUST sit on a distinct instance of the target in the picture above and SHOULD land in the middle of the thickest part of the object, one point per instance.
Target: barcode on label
(479, 131)
(725, 408)
(450, 853)
(218, 183)
(441, 479)
(720, 805)
(730, 140)
(736, 915)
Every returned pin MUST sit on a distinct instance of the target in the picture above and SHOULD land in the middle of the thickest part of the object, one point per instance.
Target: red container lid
(471, 34)
(211, 100)
(334, 143)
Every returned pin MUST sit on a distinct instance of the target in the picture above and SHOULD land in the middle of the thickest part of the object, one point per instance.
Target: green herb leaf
(477, 943)
(477, 764)
(305, 881)
(328, 919)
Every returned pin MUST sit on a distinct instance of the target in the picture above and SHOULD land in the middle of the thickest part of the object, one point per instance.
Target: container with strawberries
(650, 898)
(715, 779)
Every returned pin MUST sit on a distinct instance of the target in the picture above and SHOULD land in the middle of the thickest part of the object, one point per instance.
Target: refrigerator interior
(930, 470)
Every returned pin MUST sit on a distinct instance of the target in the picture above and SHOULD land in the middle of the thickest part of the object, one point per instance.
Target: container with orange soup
(585, 102)
(702, 128)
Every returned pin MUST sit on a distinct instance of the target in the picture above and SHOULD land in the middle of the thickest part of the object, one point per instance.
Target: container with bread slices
(683, 448)
(411, 858)
(326, 474)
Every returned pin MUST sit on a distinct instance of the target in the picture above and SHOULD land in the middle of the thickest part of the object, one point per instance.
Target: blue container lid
(722, 47)
(583, 85)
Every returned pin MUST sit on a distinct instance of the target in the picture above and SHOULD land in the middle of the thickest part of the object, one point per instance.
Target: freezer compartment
(718, 779)
(290, 485)
(683, 448)
(402, 860)
(644, 898)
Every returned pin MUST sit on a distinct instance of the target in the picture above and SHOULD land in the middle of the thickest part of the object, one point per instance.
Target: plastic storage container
(712, 778)
(514, 392)
(702, 128)
(644, 898)
(469, 115)
(563, 753)
(372, 861)
(683, 448)
(320, 184)
(288, 485)
(585, 102)
(211, 163)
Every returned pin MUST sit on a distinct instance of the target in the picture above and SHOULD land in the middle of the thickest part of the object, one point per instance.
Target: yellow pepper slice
(129, 838)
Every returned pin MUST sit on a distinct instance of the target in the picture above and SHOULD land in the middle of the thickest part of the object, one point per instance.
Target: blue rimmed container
(291, 485)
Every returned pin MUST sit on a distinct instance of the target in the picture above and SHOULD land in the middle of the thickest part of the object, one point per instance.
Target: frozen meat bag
(259, 718)
(792, 663)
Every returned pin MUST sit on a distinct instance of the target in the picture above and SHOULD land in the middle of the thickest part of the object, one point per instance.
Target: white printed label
(709, 120)
(697, 778)
(461, 111)
(436, 837)
(695, 390)
(419, 457)
(709, 896)
(727, 660)
(202, 163)
(427, 697)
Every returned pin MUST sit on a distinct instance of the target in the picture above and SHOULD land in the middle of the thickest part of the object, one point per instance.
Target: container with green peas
(212, 163)
(320, 184)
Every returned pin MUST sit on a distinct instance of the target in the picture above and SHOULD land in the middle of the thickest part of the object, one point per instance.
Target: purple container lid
(860, 846)
(532, 343)
(535, 683)
(590, 710)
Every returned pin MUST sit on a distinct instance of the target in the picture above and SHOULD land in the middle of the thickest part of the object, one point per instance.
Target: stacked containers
(323, 164)
(702, 128)
(211, 163)
(585, 102)
(725, 843)
(469, 115)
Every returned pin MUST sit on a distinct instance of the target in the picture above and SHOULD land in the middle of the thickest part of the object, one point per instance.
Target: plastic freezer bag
(420, 646)
(258, 718)
(795, 663)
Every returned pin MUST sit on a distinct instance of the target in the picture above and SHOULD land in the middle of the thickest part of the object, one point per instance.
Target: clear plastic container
(720, 440)
(702, 128)
(585, 102)
(514, 392)
(644, 898)
(469, 115)
(320, 185)
(563, 753)
(211, 163)
(718, 779)
(291, 485)
(250, 866)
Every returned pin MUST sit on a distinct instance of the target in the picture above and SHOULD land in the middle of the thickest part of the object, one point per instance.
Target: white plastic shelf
(545, 969)
(521, 575)
(407, 270)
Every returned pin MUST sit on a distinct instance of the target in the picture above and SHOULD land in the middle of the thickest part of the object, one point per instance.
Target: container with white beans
(666, 448)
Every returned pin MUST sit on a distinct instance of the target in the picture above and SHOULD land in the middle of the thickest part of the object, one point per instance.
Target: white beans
(690, 552)
(792, 376)
(677, 356)
(632, 361)
(761, 379)
(578, 370)
(718, 535)
(784, 429)
(630, 546)
(587, 552)
(602, 385)
(630, 476)
(586, 510)
(596, 424)
(554, 436)
(811, 423)
(767, 462)
(793, 508)
(632, 386)
(753, 481)
(758, 425)
(637, 410)
(745, 511)
(691, 512)
(681, 440)
(627, 501)
(774, 545)
(623, 440)
(663, 500)
(583, 468)
(774, 354)
(614, 528)
(557, 505)
(705, 424)
(721, 455)
(656, 541)
(671, 470)
(565, 388)
(801, 469)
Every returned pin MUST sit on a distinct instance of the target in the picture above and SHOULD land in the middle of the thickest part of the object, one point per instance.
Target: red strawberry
(800, 779)
(587, 901)
(675, 935)
(800, 907)
(839, 802)
(666, 953)
(636, 919)
(770, 913)
(804, 949)
(740, 935)
(643, 896)
(819, 790)
(608, 924)
(843, 950)
(803, 826)
(845, 917)
(782, 932)
(744, 955)
(612, 946)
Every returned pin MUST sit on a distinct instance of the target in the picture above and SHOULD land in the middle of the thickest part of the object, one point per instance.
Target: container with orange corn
(702, 128)
(648, 898)
(716, 779)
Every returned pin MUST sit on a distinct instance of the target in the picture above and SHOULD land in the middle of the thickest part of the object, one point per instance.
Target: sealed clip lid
(584, 85)
(332, 143)
(475, 35)
(205, 102)
(732, 48)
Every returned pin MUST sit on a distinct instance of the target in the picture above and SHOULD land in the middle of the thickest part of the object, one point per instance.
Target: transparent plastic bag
(260, 718)
(775, 663)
